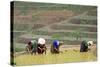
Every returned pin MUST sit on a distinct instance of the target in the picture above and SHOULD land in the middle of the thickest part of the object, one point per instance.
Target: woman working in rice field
(84, 46)
(55, 46)
(41, 46)
(31, 47)
(28, 47)
(34, 46)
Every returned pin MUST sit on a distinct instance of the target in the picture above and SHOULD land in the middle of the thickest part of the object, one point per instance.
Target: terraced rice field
(54, 21)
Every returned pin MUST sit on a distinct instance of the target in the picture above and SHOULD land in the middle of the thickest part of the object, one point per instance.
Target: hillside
(54, 21)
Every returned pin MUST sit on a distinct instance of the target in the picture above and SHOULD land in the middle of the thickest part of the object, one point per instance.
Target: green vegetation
(69, 27)
(35, 18)
(56, 36)
(21, 27)
(92, 12)
(49, 6)
(83, 21)
(19, 49)
(65, 57)
(76, 34)
(63, 34)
